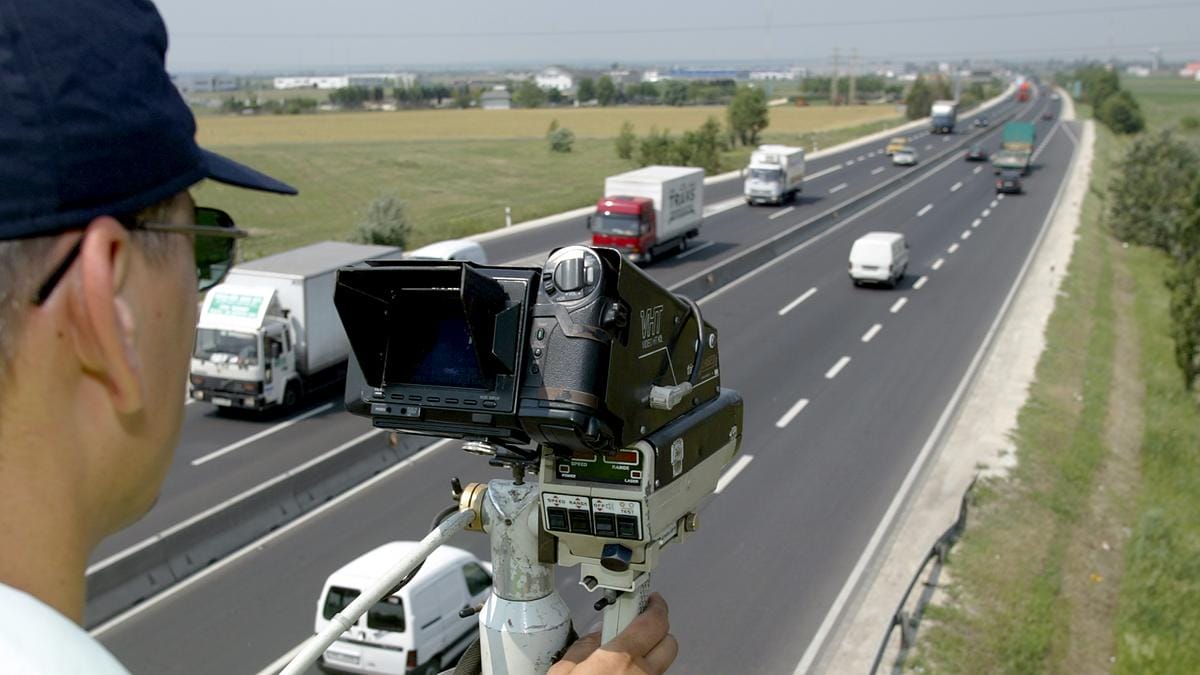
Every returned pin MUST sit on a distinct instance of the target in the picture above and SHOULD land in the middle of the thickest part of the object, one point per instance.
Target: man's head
(98, 256)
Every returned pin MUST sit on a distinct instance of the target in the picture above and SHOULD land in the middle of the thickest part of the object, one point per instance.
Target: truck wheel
(291, 395)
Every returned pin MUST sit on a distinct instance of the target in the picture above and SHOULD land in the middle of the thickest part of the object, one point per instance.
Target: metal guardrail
(909, 622)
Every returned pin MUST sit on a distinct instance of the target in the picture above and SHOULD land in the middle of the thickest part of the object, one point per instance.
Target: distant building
(1190, 69)
(496, 99)
(554, 78)
(1137, 71)
(701, 74)
(195, 84)
(350, 80)
(760, 75)
(651, 76)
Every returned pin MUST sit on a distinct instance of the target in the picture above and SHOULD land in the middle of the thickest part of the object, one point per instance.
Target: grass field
(474, 124)
(453, 186)
(1087, 558)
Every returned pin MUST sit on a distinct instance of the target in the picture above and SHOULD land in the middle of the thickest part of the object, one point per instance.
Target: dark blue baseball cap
(90, 122)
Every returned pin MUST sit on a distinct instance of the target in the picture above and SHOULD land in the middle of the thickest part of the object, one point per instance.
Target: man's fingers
(577, 652)
(645, 631)
(662, 656)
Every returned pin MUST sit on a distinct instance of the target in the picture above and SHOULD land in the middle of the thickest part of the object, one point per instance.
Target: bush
(655, 148)
(748, 115)
(1149, 198)
(626, 141)
(385, 224)
(1121, 113)
(561, 139)
(1184, 283)
(1189, 123)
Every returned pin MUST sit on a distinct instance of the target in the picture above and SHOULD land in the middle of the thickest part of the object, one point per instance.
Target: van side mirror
(588, 225)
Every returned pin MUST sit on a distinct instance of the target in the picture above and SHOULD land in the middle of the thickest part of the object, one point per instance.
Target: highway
(224, 454)
(843, 388)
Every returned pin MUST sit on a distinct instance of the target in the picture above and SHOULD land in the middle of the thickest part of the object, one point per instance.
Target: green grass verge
(452, 188)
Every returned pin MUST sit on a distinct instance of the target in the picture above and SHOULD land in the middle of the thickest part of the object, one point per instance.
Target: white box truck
(943, 115)
(270, 332)
(775, 174)
(649, 211)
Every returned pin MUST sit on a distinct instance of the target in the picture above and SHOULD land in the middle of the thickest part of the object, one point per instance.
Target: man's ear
(102, 321)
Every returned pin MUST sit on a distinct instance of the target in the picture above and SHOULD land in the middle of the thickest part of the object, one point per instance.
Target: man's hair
(26, 263)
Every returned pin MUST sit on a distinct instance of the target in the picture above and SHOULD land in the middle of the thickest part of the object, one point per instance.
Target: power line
(846, 23)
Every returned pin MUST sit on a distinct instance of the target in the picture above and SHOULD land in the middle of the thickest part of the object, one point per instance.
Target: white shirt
(36, 639)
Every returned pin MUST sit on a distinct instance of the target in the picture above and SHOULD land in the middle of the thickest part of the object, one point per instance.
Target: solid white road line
(873, 330)
(259, 543)
(986, 213)
(898, 305)
(966, 234)
(823, 172)
(792, 305)
(877, 170)
(694, 250)
(781, 213)
(837, 188)
(956, 187)
(977, 222)
(260, 435)
(920, 282)
(977, 169)
(924, 209)
(952, 248)
(837, 368)
(732, 472)
(279, 663)
(791, 413)
(937, 264)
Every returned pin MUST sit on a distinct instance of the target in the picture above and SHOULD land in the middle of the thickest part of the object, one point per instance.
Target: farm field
(455, 170)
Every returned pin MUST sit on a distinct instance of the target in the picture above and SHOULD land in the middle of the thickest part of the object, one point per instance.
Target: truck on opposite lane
(269, 332)
(775, 174)
(943, 116)
(649, 211)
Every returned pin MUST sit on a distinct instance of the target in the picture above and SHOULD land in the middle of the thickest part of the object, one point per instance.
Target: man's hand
(645, 647)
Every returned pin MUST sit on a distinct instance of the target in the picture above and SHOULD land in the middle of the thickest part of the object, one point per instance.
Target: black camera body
(586, 354)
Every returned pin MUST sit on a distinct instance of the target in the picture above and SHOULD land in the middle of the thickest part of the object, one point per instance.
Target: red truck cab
(626, 224)
(1023, 92)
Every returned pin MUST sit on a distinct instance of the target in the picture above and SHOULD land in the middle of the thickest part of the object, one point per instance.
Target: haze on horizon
(299, 35)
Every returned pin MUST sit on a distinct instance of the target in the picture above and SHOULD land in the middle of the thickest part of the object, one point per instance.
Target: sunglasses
(216, 238)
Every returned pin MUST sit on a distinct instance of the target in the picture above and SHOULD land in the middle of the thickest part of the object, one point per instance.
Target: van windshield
(232, 346)
(766, 175)
(615, 224)
(337, 599)
(387, 614)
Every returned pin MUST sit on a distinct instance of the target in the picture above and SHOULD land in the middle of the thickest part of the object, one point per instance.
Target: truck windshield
(764, 174)
(213, 344)
(615, 224)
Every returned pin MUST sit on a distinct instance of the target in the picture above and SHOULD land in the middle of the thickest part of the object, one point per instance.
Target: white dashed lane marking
(956, 187)
(781, 213)
(952, 249)
(924, 209)
(937, 264)
(837, 368)
(920, 283)
(792, 305)
(791, 413)
(898, 305)
(837, 188)
(877, 170)
(872, 332)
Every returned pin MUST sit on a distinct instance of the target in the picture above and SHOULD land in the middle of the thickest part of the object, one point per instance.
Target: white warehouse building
(340, 81)
(554, 78)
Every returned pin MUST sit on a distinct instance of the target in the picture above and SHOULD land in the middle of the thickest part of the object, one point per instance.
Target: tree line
(1113, 106)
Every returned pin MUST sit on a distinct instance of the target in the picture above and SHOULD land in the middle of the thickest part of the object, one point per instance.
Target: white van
(452, 249)
(879, 257)
(415, 630)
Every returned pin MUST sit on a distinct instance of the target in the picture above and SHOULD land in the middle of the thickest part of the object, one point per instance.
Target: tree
(626, 141)
(655, 148)
(1184, 284)
(462, 96)
(700, 148)
(675, 93)
(554, 96)
(1148, 200)
(1121, 113)
(586, 90)
(920, 100)
(606, 91)
(528, 95)
(385, 223)
(748, 115)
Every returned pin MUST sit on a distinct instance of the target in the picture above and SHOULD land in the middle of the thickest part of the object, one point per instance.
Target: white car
(880, 258)
(906, 156)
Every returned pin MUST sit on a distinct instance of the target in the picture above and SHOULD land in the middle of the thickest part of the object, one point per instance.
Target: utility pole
(833, 85)
(853, 72)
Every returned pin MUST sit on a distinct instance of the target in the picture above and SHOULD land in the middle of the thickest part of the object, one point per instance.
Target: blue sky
(298, 35)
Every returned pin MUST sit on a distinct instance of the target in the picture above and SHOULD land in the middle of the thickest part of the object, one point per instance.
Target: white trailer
(270, 332)
(648, 211)
(775, 174)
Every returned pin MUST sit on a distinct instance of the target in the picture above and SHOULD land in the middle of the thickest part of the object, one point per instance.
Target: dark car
(1009, 182)
(976, 153)
(1047, 115)
(980, 122)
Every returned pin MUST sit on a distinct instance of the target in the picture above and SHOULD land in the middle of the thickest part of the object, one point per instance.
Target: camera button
(605, 524)
(489, 404)
(556, 519)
